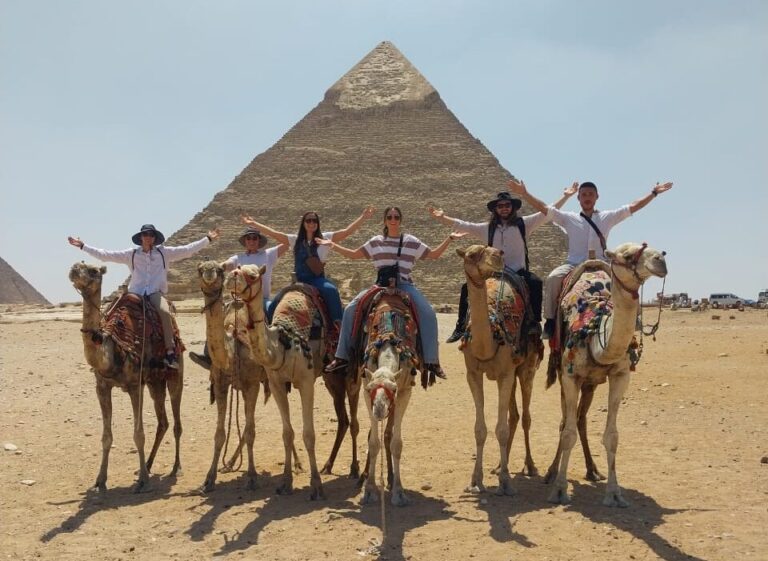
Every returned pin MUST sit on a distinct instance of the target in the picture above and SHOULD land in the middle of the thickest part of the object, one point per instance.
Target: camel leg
(104, 393)
(371, 493)
(335, 385)
(388, 431)
(506, 385)
(175, 388)
(399, 497)
(353, 395)
(250, 397)
(280, 395)
(475, 381)
(220, 387)
(526, 391)
(585, 402)
(157, 393)
(138, 437)
(307, 392)
(617, 385)
(570, 388)
(514, 418)
(552, 471)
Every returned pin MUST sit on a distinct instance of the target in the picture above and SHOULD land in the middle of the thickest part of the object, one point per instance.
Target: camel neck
(482, 343)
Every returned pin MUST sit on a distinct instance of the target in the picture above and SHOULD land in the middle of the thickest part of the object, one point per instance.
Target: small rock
(764, 460)
(10, 447)
(643, 422)
(665, 384)
(28, 482)
(722, 355)
(426, 487)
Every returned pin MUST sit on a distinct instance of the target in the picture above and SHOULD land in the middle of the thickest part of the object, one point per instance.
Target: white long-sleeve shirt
(581, 236)
(148, 273)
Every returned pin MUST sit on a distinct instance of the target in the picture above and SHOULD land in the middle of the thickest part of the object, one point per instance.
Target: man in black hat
(149, 271)
(507, 231)
(254, 242)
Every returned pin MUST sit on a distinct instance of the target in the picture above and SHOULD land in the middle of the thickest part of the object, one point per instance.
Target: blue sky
(113, 114)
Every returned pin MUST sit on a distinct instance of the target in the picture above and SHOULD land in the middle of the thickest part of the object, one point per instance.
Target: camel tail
(552, 366)
(212, 393)
(267, 393)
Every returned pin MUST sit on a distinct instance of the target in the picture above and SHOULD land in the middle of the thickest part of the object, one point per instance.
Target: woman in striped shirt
(382, 250)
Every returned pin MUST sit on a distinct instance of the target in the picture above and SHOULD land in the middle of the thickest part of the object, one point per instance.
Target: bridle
(389, 393)
(251, 296)
(632, 266)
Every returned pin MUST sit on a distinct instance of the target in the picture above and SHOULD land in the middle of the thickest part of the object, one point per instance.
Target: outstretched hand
(213, 234)
(456, 235)
(568, 191)
(368, 211)
(663, 187)
(247, 219)
(435, 212)
(516, 186)
(77, 242)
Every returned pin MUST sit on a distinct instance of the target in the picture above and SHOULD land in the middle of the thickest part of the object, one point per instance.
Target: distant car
(726, 300)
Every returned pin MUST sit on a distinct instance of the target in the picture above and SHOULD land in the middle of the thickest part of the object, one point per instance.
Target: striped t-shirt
(383, 252)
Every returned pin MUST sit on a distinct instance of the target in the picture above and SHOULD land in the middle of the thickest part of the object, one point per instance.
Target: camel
(388, 372)
(111, 369)
(231, 364)
(288, 359)
(601, 303)
(499, 360)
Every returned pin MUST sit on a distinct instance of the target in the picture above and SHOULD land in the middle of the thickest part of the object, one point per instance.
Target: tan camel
(112, 370)
(231, 364)
(288, 360)
(597, 347)
(388, 382)
(504, 363)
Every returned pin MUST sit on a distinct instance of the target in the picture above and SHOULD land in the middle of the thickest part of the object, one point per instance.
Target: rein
(632, 267)
(389, 393)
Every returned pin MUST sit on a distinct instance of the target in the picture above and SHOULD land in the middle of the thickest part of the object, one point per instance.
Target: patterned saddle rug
(302, 316)
(132, 324)
(391, 322)
(507, 305)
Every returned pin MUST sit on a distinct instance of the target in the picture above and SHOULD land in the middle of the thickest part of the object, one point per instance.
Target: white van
(725, 300)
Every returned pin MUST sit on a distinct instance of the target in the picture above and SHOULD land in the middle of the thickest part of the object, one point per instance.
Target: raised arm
(440, 216)
(568, 192)
(345, 251)
(352, 228)
(655, 192)
(517, 187)
(439, 250)
(279, 237)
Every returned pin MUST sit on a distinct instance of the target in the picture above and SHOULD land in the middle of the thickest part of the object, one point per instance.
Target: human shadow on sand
(639, 520)
(93, 502)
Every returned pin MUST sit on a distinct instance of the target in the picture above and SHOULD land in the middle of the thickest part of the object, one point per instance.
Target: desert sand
(691, 460)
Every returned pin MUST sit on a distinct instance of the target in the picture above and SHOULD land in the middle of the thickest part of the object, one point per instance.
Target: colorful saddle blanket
(506, 311)
(391, 322)
(301, 315)
(134, 324)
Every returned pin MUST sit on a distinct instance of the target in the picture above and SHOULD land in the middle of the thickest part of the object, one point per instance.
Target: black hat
(159, 237)
(251, 231)
(504, 196)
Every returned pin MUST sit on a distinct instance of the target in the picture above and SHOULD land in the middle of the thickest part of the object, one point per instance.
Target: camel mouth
(658, 268)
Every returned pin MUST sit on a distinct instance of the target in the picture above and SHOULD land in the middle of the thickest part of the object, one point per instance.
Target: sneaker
(170, 361)
(338, 365)
(201, 360)
(549, 329)
(455, 336)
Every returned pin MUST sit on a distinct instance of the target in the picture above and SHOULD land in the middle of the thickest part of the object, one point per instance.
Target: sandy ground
(693, 431)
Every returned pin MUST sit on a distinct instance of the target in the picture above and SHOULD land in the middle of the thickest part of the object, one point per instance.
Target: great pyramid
(383, 136)
(14, 289)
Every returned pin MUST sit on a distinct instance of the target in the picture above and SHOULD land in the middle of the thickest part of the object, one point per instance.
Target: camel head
(245, 282)
(382, 388)
(634, 263)
(87, 278)
(481, 262)
(211, 277)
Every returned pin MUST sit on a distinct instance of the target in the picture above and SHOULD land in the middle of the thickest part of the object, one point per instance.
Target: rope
(140, 418)
(382, 452)
(238, 456)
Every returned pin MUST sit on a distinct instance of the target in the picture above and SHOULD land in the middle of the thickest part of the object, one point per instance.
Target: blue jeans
(330, 295)
(427, 324)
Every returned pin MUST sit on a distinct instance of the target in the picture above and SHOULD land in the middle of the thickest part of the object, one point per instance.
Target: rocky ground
(691, 460)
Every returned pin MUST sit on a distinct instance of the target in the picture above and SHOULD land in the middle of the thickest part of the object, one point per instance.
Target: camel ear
(610, 255)
(103, 269)
(262, 270)
(460, 252)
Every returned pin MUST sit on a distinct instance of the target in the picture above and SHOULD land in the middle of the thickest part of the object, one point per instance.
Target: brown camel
(289, 358)
(112, 369)
(505, 361)
(600, 306)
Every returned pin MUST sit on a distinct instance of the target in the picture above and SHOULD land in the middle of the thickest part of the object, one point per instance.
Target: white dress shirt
(582, 236)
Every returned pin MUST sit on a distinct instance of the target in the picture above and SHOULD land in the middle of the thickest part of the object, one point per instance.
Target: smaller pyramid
(14, 289)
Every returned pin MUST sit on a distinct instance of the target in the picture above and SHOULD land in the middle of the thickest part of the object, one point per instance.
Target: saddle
(508, 311)
(133, 324)
(302, 316)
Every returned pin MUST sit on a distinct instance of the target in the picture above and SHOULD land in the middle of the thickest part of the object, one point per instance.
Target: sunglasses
(252, 237)
(395, 217)
(311, 220)
(147, 234)
(503, 205)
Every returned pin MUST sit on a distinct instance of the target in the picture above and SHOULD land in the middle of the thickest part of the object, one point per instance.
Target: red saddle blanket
(134, 325)
(391, 322)
(506, 312)
(301, 313)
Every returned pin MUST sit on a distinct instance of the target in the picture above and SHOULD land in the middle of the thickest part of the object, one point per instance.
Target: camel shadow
(232, 493)
(639, 520)
(115, 498)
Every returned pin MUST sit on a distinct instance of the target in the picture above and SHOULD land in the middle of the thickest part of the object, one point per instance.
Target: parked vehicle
(725, 300)
(762, 299)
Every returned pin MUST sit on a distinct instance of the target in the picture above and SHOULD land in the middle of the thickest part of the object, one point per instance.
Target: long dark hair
(301, 238)
(386, 211)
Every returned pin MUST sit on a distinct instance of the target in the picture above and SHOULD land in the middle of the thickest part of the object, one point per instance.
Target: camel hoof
(505, 488)
(141, 486)
(594, 475)
(614, 500)
(550, 477)
(317, 494)
(99, 487)
(559, 496)
(474, 489)
(207, 486)
(298, 468)
(228, 468)
(399, 498)
(531, 471)
(285, 489)
(369, 497)
(252, 483)
(354, 471)
(326, 470)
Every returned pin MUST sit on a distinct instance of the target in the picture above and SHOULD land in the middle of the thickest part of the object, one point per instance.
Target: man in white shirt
(254, 242)
(149, 271)
(587, 231)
